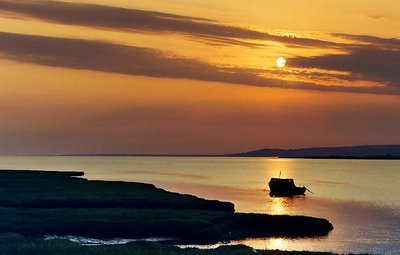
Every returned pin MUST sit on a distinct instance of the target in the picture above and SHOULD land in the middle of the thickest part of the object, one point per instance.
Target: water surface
(360, 197)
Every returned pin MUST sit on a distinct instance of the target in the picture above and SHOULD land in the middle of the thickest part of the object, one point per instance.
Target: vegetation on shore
(186, 226)
(38, 203)
(17, 244)
(50, 189)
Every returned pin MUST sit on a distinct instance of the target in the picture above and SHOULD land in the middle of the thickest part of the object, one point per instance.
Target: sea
(361, 198)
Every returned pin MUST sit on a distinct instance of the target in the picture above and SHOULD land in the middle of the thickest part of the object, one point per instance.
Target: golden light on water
(280, 62)
(278, 205)
(279, 167)
(270, 243)
(277, 244)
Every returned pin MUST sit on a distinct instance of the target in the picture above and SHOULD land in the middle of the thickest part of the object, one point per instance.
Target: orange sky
(196, 77)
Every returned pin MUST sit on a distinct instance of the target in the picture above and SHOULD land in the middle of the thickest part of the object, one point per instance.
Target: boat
(285, 187)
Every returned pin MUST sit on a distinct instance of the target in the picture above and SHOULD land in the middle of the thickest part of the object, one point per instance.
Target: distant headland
(344, 152)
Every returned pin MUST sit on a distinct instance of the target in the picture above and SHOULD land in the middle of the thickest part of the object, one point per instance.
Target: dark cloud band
(99, 16)
(366, 62)
(114, 58)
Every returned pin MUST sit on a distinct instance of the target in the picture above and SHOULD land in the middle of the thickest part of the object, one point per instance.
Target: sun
(280, 62)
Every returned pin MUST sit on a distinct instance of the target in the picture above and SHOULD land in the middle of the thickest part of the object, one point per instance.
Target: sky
(197, 76)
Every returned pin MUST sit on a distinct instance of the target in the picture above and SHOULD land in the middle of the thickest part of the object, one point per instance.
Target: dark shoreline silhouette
(39, 203)
(344, 152)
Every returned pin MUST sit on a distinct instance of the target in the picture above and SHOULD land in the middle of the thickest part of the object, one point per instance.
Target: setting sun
(280, 62)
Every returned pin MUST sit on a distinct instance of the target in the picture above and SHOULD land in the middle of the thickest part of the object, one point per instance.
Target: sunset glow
(198, 77)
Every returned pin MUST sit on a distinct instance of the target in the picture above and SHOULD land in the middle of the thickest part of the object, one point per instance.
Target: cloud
(106, 17)
(373, 62)
(114, 58)
(378, 42)
(376, 16)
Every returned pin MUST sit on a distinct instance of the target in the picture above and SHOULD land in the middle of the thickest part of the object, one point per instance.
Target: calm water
(360, 197)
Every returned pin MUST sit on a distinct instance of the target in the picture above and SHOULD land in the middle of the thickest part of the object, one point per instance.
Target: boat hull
(285, 187)
(284, 192)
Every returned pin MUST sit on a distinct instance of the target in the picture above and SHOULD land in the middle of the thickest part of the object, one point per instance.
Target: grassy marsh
(38, 203)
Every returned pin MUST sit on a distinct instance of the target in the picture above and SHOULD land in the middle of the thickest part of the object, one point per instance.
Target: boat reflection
(279, 205)
(283, 205)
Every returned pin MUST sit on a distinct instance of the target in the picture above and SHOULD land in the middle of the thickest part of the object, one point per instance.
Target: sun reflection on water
(269, 244)
(277, 244)
(279, 205)
(279, 167)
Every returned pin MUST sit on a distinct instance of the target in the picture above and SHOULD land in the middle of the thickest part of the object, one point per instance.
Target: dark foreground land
(16, 244)
(38, 203)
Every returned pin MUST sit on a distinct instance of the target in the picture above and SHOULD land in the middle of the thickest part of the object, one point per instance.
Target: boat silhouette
(284, 187)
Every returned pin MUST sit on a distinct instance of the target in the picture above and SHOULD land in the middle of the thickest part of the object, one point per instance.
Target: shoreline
(17, 244)
(59, 203)
(215, 156)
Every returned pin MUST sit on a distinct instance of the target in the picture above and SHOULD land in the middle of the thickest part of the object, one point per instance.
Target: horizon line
(105, 154)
